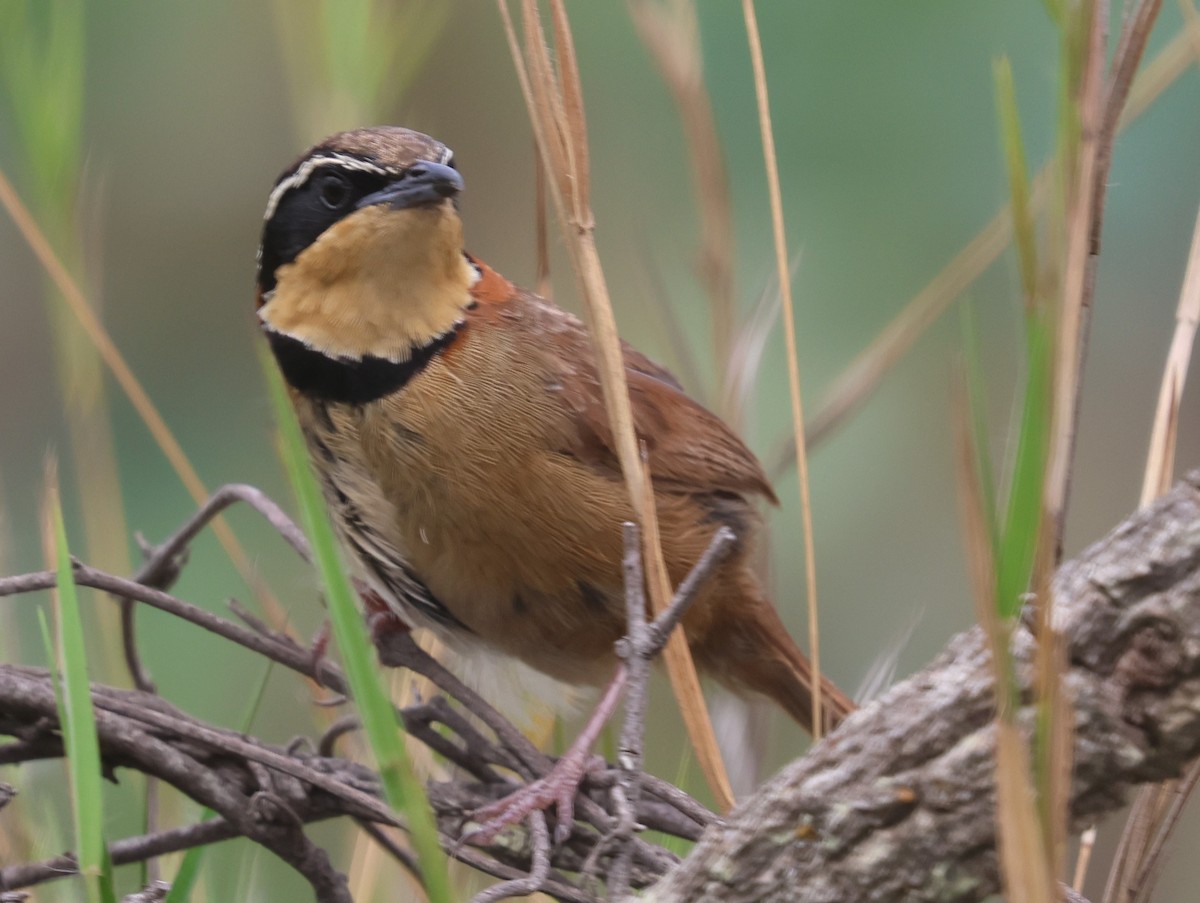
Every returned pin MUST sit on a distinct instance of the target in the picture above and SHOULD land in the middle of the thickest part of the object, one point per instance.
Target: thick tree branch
(898, 804)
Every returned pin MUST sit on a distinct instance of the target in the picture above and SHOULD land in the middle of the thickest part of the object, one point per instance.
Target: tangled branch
(268, 794)
(898, 803)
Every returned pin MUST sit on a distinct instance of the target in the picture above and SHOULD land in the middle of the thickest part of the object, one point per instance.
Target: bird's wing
(689, 448)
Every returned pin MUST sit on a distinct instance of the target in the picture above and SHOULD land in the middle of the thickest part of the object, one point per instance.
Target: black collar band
(345, 379)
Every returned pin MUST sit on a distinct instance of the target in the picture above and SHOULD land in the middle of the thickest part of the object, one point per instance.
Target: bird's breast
(519, 540)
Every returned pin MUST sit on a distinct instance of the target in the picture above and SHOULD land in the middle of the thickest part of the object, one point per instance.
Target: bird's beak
(421, 185)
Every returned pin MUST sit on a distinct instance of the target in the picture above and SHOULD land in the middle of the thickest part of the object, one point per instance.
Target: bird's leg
(558, 788)
(319, 646)
(382, 621)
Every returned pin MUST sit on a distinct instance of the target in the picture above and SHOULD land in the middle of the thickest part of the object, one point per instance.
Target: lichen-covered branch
(898, 804)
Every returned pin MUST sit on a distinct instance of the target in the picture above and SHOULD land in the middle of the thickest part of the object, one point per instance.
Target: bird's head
(362, 247)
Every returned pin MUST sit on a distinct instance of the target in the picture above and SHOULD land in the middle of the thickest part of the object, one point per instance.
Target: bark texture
(898, 804)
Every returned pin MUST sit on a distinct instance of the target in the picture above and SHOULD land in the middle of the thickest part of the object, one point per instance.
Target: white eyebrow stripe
(305, 171)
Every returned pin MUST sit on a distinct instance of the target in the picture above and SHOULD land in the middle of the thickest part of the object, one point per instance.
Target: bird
(457, 426)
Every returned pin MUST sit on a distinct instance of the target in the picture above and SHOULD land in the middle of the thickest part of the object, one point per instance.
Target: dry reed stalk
(1160, 460)
(1085, 172)
(671, 33)
(541, 227)
(1078, 275)
(789, 334)
(1156, 810)
(1026, 869)
(555, 102)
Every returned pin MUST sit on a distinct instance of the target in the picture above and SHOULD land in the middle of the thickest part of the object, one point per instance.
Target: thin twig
(1079, 282)
(161, 565)
(347, 724)
(401, 650)
(628, 788)
(538, 873)
(287, 652)
(718, 550)
(152, 570)
(567, 893)
(1131, 45)
(29, 694)
(1151, 861)
(123, 852)
(641, 644)
(1087, 844)
(273, 646)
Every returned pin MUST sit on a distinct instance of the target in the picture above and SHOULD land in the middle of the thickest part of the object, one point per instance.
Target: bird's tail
(756, 653)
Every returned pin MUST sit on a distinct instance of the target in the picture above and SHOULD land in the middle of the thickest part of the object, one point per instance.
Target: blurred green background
(889, 157)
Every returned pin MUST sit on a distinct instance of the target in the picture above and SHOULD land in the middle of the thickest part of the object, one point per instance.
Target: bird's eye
(333, 190)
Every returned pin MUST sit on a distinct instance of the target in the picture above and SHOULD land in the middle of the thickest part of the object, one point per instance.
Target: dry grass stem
(1191, 27)
(541, 221)
(671, 33)
(1056, 725)
(1087, 844)
(1174, 798)
(1026, 868)
(1155, 812)
(1078, 275)
(1160, 461)
(1131, 45)
(853, 388)
(789, 334)
(555, 103)
(1084, 170)
(981, 564)
(1100, 105)
(1135, 842)
(132, 388)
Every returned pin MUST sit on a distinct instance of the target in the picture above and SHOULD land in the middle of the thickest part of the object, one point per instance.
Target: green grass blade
(402, 788)
(1023, 522)
(977, 412)
(1024, 231)
(188, 873)
(1018, 542)
(189, 869)
(79, 723)
(48, 647)
(41, 66)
